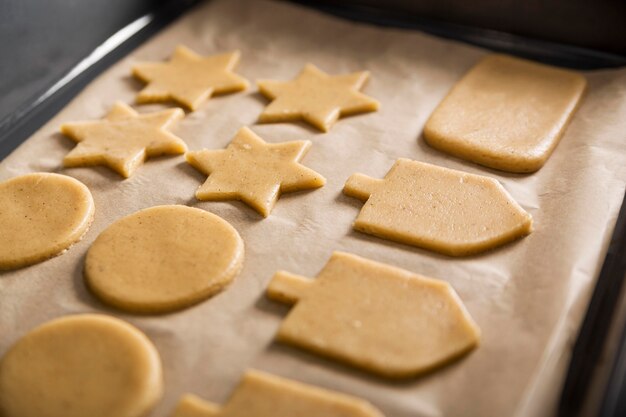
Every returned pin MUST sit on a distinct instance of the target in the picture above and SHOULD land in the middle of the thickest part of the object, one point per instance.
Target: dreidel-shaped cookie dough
(374, 316)
(435, 208)
(263, 395)
(506, 113)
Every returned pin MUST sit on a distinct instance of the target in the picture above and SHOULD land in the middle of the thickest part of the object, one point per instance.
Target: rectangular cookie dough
(506, 113)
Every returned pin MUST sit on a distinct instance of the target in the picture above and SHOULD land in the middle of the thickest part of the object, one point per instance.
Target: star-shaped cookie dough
(254, 171)
(189, 78)
(123, 139)
(316, 97)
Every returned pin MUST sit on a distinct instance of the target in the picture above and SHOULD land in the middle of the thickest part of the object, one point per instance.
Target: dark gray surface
(480, 26)
(25, 117)
(593, 24)
(40, 41)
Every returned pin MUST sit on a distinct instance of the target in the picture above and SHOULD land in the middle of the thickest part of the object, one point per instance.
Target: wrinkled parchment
(528, 297)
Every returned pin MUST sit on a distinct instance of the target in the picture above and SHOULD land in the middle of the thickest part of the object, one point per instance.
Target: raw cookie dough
(78, 366)
(163, 258)
(254, 171)
(316, 97)
(506, 113)
(189, 78)
(264, 395)
(124, 139)
(41, 215)
(436, 208)
(374, 316)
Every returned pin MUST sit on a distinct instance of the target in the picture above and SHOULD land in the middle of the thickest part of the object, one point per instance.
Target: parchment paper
(528, 297)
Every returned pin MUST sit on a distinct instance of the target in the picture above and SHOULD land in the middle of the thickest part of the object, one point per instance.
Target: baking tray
(589, 346)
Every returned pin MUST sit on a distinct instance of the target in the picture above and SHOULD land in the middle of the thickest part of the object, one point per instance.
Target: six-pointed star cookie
(123, 140)
(254, 171)
(189, 78)
(316, 97)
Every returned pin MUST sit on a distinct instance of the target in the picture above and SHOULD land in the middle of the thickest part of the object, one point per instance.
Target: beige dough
(506, 113)
(163, 258)
(316, 97)
(189, 78)
(41, 215)
(124, 139)
(373, 316)
(254, 171)
(263, 395)
(78, 366)
(436, 208)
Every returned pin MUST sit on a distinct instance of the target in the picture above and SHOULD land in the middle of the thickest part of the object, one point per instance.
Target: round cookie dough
(83, 365)
(163, 258)
(41, 215)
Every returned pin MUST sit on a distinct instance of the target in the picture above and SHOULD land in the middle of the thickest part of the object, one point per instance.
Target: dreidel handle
(288, 288)
(361, 186)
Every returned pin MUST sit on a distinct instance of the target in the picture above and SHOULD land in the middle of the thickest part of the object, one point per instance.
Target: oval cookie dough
(84, 365)
(41, 215)
(163, 258)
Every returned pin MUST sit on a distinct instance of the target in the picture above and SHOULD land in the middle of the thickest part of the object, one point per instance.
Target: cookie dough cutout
(264, 395)
(123, 139)
(41, 216)
(254, 171)
(188, 78)
(162, 259)
(84, 365)
(379, 318)
(506, 113)
(438, 209)
(316, 97)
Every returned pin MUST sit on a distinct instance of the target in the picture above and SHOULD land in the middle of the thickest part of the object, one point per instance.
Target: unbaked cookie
(254, 171)
(124, 139)
(506, 113)
(316, 97)
(41, 215)
(78, 366)
(188, 78)
(374, 316)
(439, 209)
(264, 395)
(163, 258)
